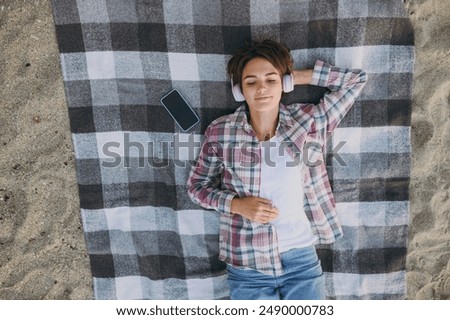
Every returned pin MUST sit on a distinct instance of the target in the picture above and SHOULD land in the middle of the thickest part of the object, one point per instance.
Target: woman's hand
(254, 208)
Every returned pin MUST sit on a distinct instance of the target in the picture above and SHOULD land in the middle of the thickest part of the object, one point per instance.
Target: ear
(237, 93)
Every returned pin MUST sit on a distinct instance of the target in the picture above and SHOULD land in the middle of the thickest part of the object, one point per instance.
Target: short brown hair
(276, 53)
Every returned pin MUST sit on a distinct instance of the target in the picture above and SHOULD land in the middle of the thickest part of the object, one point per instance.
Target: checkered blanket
(145, 238)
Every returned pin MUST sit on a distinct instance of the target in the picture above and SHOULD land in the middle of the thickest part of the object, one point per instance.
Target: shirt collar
(240, 117)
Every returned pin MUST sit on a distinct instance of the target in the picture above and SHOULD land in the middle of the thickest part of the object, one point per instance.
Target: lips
(263, 98)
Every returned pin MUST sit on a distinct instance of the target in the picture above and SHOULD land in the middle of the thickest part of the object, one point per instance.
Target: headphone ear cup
(288, 82)
(237, 94)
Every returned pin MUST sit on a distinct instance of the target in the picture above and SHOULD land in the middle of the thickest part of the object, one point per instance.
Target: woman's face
(261, 85)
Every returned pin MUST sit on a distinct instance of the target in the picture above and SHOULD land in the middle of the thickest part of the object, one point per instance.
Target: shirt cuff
(321, 74)
(224, 203)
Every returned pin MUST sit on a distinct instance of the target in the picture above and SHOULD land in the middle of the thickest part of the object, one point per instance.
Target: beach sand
(428, 259)
(43, 252)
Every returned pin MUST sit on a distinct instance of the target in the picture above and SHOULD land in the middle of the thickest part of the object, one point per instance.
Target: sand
(43, 252)
(428, 259)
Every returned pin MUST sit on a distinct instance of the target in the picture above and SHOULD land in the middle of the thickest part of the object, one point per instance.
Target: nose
(262, 88)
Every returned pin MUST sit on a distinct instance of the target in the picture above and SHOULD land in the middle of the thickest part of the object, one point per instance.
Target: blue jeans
(302, 279)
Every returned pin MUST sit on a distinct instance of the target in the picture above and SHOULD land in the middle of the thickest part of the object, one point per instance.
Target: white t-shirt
(282, 182)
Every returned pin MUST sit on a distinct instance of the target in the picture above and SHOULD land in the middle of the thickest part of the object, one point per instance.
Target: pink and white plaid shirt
(229, 165)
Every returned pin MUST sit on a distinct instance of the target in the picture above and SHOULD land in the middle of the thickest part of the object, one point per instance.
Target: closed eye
(272, 80)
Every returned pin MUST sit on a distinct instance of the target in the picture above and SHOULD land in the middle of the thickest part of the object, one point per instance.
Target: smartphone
(180, 110)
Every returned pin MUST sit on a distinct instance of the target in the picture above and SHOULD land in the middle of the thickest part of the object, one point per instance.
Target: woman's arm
(205, 189)
(302, 77)
(344, 86)
(204, 185)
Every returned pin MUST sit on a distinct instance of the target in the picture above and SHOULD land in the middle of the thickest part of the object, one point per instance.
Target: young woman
(263, 169)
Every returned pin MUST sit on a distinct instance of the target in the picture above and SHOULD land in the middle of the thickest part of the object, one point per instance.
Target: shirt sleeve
(344, 87)
(204, 182)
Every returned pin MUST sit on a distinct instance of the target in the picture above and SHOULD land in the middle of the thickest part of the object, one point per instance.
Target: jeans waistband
(296, 252)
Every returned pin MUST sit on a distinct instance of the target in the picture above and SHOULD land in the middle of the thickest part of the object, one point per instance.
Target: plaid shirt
(229, 165)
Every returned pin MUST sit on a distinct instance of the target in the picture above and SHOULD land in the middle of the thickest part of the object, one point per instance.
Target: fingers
(257, 209)
(267, 212)
(273, 214)
(264, 200)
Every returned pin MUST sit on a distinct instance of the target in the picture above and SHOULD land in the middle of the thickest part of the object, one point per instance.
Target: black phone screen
(179, 109)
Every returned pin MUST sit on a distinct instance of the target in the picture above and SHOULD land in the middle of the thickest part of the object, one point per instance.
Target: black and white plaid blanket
(145, 238)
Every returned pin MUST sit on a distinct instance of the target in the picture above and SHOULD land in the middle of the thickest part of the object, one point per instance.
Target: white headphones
(288, 86)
